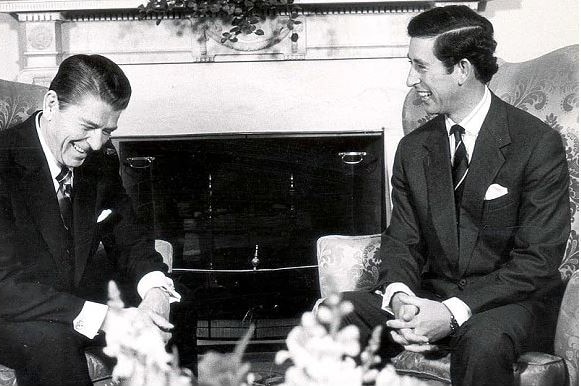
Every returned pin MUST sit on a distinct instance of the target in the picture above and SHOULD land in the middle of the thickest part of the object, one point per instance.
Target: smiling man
(60, 196)
(480, 214)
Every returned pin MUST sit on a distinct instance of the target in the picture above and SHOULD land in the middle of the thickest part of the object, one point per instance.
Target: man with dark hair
(60, 196)
(480, 214)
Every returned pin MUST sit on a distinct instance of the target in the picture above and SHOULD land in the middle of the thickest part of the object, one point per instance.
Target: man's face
(437, 89)
(77, 129)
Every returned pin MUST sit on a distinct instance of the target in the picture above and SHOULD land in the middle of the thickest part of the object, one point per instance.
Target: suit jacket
(505, 250)
(40, 270)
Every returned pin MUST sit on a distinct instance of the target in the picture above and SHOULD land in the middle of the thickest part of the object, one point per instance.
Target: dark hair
(82, 75)
(460, 33)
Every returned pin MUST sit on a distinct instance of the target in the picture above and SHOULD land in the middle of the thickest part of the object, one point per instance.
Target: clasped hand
(152, 311)
(418, 322)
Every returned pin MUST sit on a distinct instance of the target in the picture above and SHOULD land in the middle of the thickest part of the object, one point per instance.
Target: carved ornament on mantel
(92, 6)
(55, 29)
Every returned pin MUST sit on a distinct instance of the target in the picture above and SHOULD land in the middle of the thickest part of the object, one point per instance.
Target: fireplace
(243, 213)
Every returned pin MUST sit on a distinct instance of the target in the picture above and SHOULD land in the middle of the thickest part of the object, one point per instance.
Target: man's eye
(108, 132)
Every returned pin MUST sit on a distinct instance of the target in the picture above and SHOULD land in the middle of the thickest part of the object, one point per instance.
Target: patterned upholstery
(18, 101)
(547, 87)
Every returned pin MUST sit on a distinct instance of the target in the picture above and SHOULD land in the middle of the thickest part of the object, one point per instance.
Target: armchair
(548, 88)
(17, 102)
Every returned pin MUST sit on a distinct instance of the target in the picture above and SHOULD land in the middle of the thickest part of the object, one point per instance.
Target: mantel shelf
(17, 6)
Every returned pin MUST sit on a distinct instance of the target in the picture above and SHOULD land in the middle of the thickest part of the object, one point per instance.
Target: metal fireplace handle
(140, 162)
(352, 157)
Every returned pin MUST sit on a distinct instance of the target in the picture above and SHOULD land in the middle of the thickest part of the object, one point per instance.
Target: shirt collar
(53, 165)
(473, 121)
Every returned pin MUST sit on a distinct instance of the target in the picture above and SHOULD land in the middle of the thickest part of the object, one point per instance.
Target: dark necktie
(459, 165)
(64, 196)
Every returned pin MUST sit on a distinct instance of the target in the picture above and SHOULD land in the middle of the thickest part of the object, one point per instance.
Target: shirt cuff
(459, 309)
(391, 290)
(157, 279)
(90, 319)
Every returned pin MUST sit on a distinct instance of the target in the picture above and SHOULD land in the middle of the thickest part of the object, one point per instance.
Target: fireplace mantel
(345, 73)
(96, 5)
(337, 29)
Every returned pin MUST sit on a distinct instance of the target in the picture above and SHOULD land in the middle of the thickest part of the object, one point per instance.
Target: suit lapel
(37, 188)
(440, 192)
(487, 159)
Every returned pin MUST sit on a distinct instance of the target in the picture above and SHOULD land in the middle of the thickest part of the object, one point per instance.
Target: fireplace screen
(243, 213)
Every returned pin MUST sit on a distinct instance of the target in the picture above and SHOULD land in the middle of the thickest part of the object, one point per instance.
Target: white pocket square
(104, 214)
(495, 191)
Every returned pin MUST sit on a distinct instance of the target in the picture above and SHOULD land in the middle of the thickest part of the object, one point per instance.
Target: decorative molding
(17, 6)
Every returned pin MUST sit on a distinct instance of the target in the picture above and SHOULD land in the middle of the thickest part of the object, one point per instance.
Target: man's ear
(50, 104)
(465, 71)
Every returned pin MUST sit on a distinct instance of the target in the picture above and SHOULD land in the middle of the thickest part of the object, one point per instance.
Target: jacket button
(462, 283)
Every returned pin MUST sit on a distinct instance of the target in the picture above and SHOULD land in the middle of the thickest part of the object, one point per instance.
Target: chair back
(18, 101)
(548, 88)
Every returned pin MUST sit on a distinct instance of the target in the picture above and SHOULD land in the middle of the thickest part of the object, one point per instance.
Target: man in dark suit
(60, 196)
(480, 214)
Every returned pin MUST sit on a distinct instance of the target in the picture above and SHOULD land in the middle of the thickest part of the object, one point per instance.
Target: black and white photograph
(289, 192)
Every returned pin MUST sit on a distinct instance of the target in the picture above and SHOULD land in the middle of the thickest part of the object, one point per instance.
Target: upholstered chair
(547, 87)
(17, 102)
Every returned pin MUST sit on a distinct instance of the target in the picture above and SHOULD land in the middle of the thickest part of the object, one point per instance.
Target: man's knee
(486, 342)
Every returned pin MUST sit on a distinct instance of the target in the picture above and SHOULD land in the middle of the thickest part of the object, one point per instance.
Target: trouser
(483, 350)
(44, 353)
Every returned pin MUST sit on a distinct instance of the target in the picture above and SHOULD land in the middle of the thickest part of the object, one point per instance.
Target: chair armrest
(165, 249)
(348, 263)
(567, 333)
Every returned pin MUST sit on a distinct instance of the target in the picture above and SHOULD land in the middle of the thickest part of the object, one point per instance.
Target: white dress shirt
(471, 124)
(92, 315)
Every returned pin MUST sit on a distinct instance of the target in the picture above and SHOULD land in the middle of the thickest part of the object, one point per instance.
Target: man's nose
(412, 78)
(95, 139)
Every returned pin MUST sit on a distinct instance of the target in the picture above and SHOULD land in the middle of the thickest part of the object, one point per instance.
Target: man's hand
(401, 310)
(155, 304)
(407, 337)
(432, 320)
(132, 317)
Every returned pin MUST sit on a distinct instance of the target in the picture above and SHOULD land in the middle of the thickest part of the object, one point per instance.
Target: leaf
(157, 21)
(294, 37)
(297, 22)
(226, 34)
(234, 39)
(253, 20)
(235, 29)
(259, 32)
(223, 40)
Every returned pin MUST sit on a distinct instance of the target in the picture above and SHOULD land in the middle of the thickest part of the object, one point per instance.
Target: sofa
(547, 87)
(17, 102)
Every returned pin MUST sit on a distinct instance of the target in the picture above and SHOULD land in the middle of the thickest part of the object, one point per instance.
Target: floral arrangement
(244, 16)
(322, 354)
(142, 359)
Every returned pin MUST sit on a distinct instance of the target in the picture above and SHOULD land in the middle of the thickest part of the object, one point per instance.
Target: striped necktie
(459, 165)
(64, 196)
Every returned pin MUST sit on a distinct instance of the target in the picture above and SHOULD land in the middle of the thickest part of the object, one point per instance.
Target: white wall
(525, 29)
(9, 51)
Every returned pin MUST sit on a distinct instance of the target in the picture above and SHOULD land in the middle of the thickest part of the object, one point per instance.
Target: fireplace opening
(243, 213)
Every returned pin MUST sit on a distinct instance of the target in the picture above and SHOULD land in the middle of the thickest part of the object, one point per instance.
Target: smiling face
(74, 130)
(438, 90)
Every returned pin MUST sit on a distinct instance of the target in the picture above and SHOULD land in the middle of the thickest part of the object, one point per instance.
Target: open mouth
(424, 95)
(78, 148)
